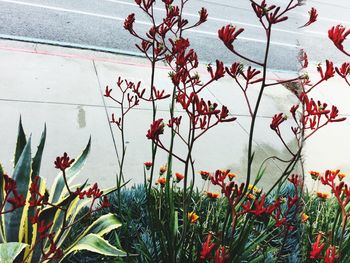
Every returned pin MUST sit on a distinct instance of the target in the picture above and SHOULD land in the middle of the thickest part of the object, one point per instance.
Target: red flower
(220, 71)
(43, 228)
(303, 59)
(259, 208)
(338, 34)
(294, 180)
(331, 255)
(313, 17)
(275, 17)
(334, 114)
(145, 4)
(251, 73)
(17, 200)
(156, 129)
(276, 121)
(262, 9)
(329, 70)
(344, 70)
(34, 219)
(63, 162)
(207, 247)
(107, 92)
(316, 248)
(129, 22)
(148, 165)
(105, 202)
(228, 34)
(203, 15)
(220, 255)
(235, 69)
(10, 184)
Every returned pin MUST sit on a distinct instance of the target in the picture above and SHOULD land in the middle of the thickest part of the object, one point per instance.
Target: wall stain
(81, 117)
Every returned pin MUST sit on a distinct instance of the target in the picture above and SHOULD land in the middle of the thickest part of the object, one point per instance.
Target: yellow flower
(304, 217)
(162, 169)
(231, 175)
(192, 217)
(341, 176)
(254, 188)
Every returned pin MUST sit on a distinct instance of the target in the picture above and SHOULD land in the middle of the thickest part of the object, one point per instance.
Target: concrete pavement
(64, 87)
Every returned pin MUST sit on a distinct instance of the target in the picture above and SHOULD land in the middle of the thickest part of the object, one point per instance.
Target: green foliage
(23, 239)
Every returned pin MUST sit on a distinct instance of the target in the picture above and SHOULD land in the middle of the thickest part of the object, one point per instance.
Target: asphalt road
(99, 23)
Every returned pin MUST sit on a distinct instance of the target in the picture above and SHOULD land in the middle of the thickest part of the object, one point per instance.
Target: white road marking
(138, 22)
(210, 18)
(243, 23)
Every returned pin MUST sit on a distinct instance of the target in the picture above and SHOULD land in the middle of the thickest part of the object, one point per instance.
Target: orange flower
(192, 217)
(205, 175)
(162, 169)
(304, 217)
(179, 177)
(341, 176)
(322, 196)
(231, 175)
(315, 175)
(251, 196)
(213, 195)
(148, 165)
(161, 180)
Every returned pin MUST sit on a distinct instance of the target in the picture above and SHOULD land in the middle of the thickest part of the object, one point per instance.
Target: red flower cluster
(156, 129)
(93, 192)
(36, 198)
(329, 73)
(220, 71)
(228, 34)
(317, 247)
(313, 17)
(344, 71)
(11, 195)
(276, 121)
(207, 247)
(63, 162)
(338, 34)
(315, 115)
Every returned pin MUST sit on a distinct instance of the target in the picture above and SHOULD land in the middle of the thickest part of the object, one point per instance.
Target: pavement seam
(52, 102)
(106, 111)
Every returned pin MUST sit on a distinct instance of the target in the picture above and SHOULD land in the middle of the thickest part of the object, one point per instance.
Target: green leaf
(38, 156)
(58, 185)
(9, 251)
(103, 225)
(35, 172)
(47, 215)
(96, 244)
(21, 141)
(21, 175)
(2, 196)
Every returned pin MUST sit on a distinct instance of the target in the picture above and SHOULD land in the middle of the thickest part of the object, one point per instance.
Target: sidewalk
(64, 88)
